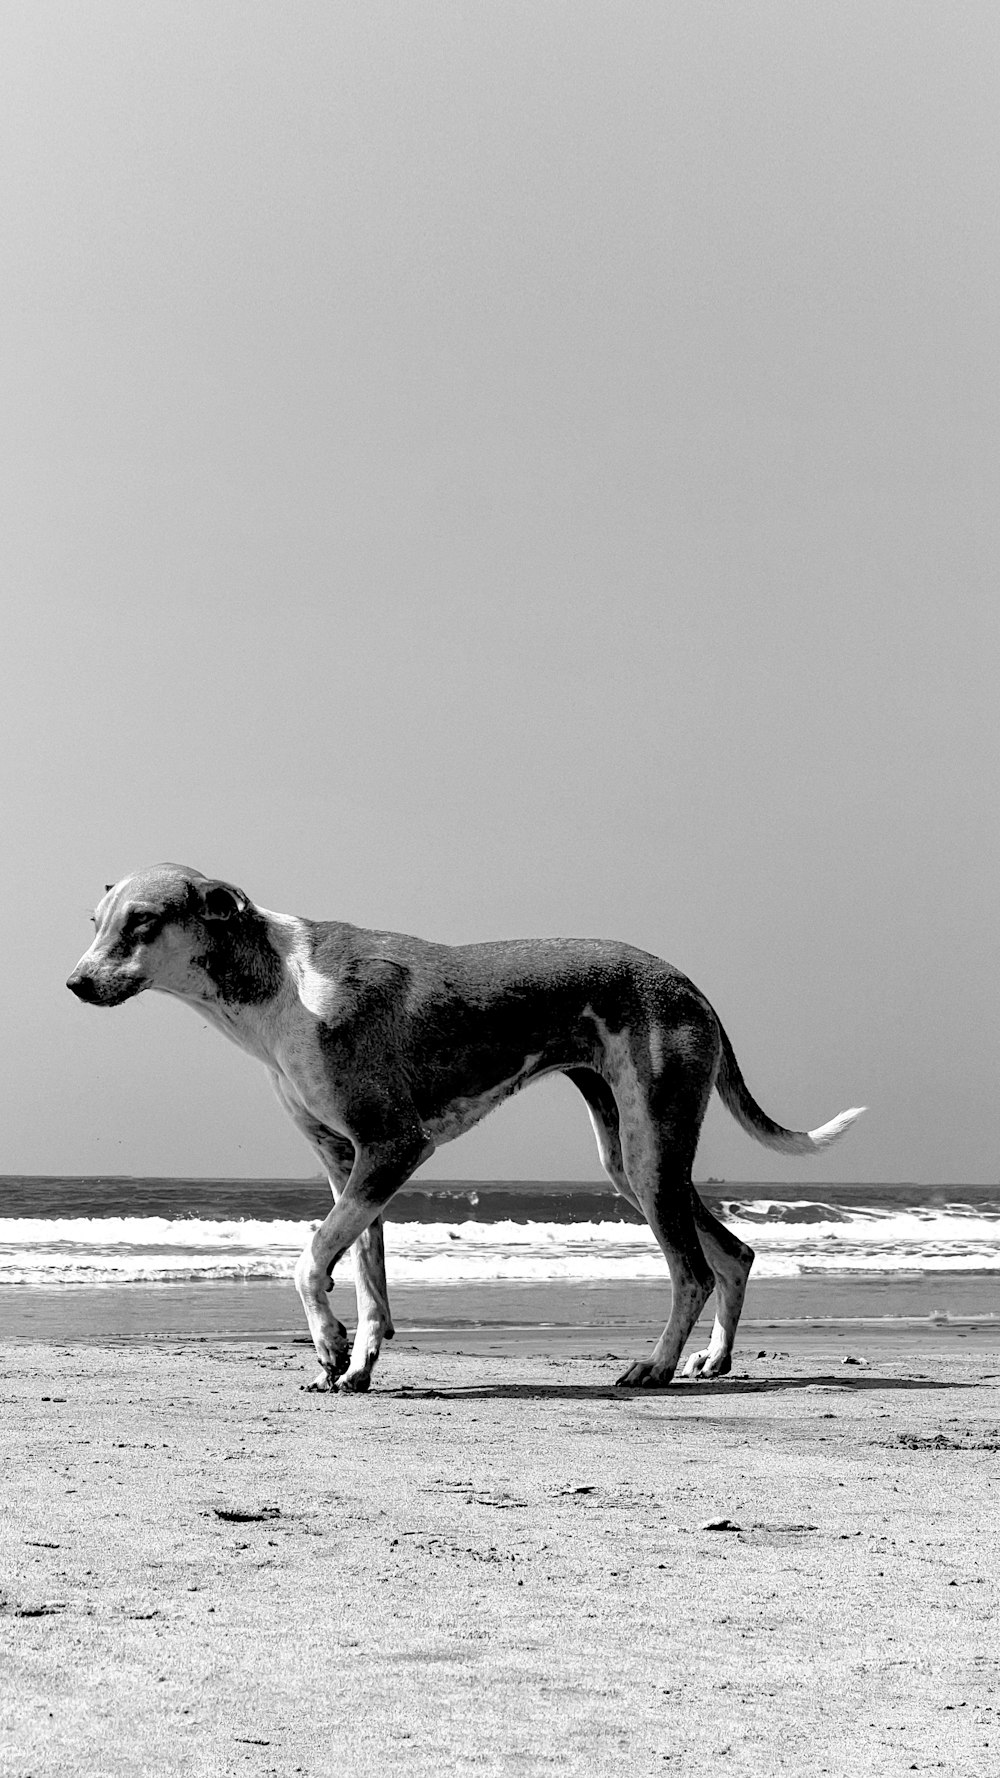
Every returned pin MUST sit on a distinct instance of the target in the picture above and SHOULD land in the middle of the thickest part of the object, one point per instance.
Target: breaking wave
(791, 1239)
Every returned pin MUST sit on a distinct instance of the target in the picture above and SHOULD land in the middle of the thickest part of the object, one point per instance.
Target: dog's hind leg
(657, 1125)
(658, 1188)
(600, 1102)
(730, 1260)
(661, 1182)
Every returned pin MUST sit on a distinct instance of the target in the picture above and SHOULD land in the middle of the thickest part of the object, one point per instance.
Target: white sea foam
(155, 1249)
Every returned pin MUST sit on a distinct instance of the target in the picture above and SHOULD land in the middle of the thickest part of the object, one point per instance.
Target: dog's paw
(645, 1374)
(321, 1384)
(334, 1360)
(355, 1383)
(331, 1367)
(702, 1364)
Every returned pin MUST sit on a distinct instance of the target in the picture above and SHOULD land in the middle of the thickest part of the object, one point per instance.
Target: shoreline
(928, 1313)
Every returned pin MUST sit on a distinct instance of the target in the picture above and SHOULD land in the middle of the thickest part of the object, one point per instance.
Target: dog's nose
(83, 986)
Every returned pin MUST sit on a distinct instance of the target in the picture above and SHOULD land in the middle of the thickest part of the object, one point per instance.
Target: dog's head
(160, 928)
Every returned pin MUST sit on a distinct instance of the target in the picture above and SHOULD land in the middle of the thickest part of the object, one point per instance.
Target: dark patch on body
(437, 1024)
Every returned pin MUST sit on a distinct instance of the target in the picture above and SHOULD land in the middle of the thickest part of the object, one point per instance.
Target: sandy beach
(496, 1562)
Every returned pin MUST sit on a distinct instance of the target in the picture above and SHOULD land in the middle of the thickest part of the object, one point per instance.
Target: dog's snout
(83, 986)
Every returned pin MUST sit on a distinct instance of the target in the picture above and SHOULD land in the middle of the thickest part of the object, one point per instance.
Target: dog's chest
(311, 1082)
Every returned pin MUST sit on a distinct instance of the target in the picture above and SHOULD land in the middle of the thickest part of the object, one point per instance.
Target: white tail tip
(830, 1132)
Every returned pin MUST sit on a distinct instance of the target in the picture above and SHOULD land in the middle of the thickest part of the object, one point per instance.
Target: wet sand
(496, 1562)
(628, 1315)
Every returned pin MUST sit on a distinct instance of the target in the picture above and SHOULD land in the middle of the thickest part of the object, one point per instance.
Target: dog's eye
(140, 925)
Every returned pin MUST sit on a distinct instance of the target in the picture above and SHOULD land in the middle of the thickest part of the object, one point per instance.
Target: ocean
(121, 1231)
(541, 1262)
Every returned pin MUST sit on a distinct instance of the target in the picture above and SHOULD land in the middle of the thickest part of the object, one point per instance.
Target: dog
(381, 1047)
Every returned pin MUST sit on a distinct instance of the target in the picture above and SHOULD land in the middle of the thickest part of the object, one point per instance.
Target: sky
(502, 469)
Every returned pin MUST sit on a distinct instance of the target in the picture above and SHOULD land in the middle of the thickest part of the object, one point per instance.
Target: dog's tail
(737, 1098)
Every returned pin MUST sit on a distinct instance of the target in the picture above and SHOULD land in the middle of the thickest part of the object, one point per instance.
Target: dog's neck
(238, 978)
(241, 961)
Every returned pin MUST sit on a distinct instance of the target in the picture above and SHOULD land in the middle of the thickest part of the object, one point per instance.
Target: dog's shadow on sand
(677, 1392)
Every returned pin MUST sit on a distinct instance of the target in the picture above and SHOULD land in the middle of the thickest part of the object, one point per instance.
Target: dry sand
(496, 1563)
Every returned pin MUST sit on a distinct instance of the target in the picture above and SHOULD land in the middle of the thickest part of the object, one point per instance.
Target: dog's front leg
(379, 1170)
(368, 1255)
(374, 1314)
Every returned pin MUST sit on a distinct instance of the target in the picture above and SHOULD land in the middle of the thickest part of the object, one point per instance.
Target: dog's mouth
(98, 990)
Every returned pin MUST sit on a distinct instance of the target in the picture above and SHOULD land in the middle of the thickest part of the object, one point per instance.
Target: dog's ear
(220, 901)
